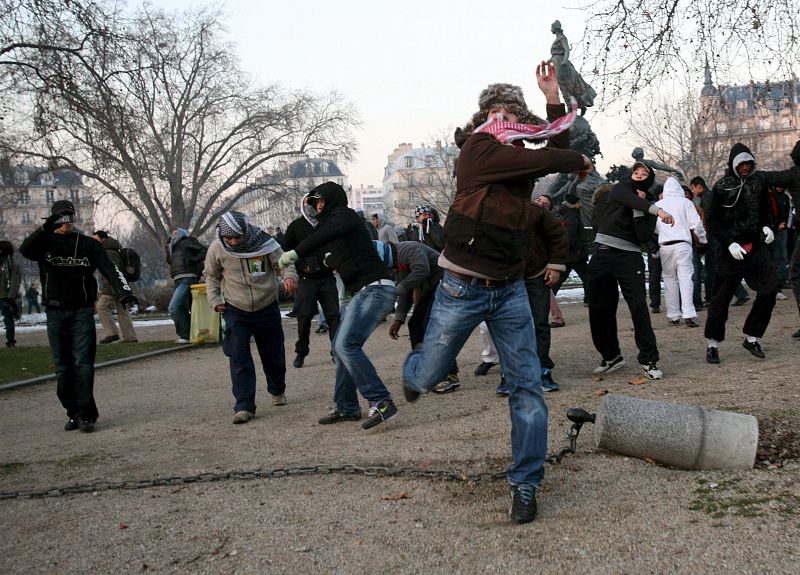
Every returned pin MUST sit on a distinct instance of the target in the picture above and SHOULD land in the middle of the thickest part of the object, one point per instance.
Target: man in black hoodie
(316, 284)
(351, 252)
(67, 261)
(790, 179)
(738, 218)
(621, 230)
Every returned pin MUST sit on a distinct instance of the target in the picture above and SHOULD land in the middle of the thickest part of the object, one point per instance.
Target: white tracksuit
(676, 250)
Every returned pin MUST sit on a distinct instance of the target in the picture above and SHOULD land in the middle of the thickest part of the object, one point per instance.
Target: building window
(309, 169)
(47, 179)
(409, 161)
(24, 197)
(428, 160)
(50, 196)
(324, 167)
(410, 180)
(75, 196)
(21, 177)
(26, 217)
(430, 179)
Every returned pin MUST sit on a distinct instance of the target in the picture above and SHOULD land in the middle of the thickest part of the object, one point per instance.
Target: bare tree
(680, 131)
(157, 110)
(637, 43)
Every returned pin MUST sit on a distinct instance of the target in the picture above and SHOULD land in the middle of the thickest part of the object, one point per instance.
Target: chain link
(242, 475)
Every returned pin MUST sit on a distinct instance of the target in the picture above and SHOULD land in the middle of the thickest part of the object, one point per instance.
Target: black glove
(50, 224)
(129, 300)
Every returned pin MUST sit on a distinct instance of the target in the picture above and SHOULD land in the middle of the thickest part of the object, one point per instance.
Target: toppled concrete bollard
(685, 436)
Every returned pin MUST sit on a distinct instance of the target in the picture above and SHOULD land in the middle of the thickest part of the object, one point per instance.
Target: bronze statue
(569, 80)
(638, 156)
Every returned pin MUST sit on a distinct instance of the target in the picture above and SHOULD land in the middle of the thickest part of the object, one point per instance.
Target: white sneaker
(182, 341)
(780, 295)
(651, 370)
(609, 366)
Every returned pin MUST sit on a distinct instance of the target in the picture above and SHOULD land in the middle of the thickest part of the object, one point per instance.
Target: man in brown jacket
(484, 261)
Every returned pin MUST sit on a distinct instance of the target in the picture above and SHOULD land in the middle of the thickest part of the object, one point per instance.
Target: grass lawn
(27, 362)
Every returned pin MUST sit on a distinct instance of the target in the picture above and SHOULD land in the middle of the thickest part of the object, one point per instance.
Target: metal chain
(208, 477)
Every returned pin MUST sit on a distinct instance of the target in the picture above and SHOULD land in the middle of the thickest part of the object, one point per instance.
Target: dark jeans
(712, 253)
(539, 300)
(777, 250)
(8, 319)
(582, 269)
(309, 291)
(698, 276)
(607, 270)
(72, 339)
(36, 305)
(759, 273)
(264, 326)
(180, 306)
(794, 270)
(418, 324)
(654, 280)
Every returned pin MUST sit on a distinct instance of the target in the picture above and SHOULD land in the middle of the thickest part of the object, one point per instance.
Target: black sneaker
(547, 381)
(655, 309)
(754, 348)
(86, 425)
(712, 355)
(557, 324)
(741, 301)
(484, 367)
(674, 321)
(411, 395)
(335, 416)
(691, 322)
(71, 425)
(298, 360)
(322, 329)
(448, 385)
(109, 339)
(379, 413)
(291, 313)
(523, 503)
(610, 365)
(502, 389)
(796, 334)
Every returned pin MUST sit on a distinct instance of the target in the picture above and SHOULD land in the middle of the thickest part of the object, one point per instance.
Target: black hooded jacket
(342, 233)
(613, 216)
(740, 207)
(790, 179)
(66, 268)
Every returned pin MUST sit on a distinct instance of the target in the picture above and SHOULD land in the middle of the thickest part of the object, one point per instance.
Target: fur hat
(507, 95)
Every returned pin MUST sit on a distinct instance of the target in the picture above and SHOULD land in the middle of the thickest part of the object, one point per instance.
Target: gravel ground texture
(599, 512)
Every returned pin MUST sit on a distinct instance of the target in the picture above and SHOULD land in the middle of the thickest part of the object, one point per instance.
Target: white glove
(769, 237)
(737, 251)
(287, 259)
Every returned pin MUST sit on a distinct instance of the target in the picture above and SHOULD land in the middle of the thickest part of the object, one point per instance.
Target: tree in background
(155, 108)
(638, 43)
(669, 129)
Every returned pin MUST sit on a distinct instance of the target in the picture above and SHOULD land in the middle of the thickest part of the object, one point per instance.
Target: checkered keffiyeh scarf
(510, 132)
(255, 241)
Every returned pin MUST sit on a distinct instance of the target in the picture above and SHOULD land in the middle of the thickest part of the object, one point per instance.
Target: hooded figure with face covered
(350, 251)
(738, 218)
(622, 228)
(316, 284)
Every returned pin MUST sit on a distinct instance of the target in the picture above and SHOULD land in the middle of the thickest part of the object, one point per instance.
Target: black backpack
(131, 264)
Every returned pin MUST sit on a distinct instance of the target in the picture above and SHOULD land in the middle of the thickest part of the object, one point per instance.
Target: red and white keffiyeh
(510, 132)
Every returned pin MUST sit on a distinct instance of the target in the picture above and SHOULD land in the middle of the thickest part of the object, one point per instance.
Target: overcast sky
(413, 68)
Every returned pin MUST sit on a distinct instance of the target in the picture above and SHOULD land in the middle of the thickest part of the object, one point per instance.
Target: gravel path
(599, 512)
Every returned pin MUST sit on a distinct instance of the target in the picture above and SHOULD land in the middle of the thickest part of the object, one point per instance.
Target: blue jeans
(180, 306)
(72, 338)
(459, 307)
(264, 326)
(354, 370)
